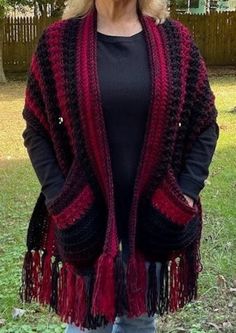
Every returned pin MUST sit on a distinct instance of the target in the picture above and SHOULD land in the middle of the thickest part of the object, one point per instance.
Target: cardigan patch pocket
(169, 200)
(73, 200)
(79, 215)
(75, 210)
(80, 228)
(82, 242)
(166, 222)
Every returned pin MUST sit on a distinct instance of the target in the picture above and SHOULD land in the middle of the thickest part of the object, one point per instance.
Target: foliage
(41, 7)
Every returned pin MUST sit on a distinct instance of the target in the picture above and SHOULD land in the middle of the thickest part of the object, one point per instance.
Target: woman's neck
(117, 17)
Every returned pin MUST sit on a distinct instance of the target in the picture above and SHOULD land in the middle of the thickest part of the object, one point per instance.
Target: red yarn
(36, 273)
(175, 62)
(136, 285)
(70, 296)
(171, 202)
(174, 286)
(104, 288)
(45, 291)
(80, 300)
(75, 210)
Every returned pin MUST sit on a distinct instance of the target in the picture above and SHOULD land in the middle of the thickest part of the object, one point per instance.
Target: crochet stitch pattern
(73, 261)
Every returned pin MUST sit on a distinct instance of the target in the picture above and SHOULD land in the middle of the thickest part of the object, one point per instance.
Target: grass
(215, 310)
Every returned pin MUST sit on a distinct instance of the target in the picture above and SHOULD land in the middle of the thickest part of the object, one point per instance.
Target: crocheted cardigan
(73, 258)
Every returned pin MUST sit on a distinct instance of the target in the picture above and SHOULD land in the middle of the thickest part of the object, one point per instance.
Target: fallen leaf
(230, 304)
(232, 290)
(17, 313)
(226, 325)
(221, 281)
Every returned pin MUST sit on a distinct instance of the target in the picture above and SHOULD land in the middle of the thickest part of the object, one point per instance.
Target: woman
(121, 130)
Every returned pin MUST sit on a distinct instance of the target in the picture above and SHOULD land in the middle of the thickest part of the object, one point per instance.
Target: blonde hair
(157, 9)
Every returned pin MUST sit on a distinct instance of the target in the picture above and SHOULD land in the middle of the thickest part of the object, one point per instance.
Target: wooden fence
(20, 39)
(214, 34)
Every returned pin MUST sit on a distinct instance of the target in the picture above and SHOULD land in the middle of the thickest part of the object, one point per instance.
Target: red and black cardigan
(73, 261)
(124, 76)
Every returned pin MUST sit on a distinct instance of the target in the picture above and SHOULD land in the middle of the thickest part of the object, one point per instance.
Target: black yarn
(152, 292)
(82, 241)
(38, 224)
(157, 235)
(120, 287)
(164, 289)
(54, 288)
(92, 322)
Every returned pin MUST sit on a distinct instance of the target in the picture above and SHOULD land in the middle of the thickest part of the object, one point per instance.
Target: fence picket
(213, 33)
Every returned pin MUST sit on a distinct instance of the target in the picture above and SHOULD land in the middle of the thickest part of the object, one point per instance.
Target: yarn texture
(73, 262)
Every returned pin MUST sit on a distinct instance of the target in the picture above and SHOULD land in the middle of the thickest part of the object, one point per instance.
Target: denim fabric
(71, 328)
(123, 324)
(142, 324)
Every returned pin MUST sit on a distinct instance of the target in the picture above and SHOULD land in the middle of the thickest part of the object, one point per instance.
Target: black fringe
(121, 300)
(90, 321)
(55, 276)
(26, 278)
(164, 294)
(152, 292)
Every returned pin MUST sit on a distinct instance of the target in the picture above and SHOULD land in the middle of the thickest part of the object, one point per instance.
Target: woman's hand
(189, 200)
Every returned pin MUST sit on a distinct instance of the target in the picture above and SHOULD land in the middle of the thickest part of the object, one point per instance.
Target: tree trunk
(2, 75)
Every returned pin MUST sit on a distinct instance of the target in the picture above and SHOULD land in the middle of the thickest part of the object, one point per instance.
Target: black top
(125, 87)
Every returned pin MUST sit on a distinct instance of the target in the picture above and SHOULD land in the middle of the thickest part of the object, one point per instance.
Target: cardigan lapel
(92, 118)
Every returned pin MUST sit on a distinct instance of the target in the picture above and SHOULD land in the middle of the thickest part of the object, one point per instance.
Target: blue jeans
(123, 324)
(142, 324)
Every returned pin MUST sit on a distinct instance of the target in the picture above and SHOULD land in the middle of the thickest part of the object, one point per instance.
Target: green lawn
(215, 311)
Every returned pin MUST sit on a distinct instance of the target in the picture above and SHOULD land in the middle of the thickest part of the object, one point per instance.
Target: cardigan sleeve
(36, 135)
(44, 162)
(197, 162)
(191, 179)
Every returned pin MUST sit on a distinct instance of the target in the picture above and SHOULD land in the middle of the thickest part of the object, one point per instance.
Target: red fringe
(62, 292)
(184, 280)
(103, 302)
(81, 309)
(35, 274)
(68, 293)
(136, 285)
(174, 286)
(45, 289)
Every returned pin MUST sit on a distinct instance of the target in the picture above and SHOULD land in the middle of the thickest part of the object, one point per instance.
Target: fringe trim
(121, 297)
(136, 285)
(152, 292)
(104, 288)
(94, 297)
